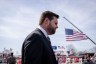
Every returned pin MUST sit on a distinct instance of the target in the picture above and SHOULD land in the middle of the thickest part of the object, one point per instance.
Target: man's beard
(51, 29)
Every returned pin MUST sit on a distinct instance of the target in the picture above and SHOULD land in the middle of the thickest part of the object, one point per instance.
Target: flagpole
(80, 31)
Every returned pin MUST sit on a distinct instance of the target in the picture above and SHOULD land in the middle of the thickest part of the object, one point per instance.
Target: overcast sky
(20, 17)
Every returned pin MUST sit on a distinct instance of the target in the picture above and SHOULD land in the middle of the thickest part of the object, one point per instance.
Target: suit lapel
(47, 42)
(44, 37)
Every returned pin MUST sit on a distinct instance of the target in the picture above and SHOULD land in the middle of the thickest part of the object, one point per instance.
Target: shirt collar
(45, 33)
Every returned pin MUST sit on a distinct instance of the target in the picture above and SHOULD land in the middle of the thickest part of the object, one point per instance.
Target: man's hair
(47, 14)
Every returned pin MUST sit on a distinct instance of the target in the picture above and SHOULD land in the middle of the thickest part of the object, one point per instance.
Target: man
(11, 59)
(37, 48)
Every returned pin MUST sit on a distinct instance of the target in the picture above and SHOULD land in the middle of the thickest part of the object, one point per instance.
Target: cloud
(24, 19)
(8, 32)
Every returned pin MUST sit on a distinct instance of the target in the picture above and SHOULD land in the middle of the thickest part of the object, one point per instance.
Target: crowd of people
(89, 59)
(10, 59)
(85, 59)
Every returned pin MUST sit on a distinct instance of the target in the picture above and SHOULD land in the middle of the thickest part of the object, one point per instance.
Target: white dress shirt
(45, 33)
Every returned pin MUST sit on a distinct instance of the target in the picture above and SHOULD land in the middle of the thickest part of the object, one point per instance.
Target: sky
(20, 17)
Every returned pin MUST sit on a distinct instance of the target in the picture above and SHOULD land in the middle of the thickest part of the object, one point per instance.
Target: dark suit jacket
(37, 49)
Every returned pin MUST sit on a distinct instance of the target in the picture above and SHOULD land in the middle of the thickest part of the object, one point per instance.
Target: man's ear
(46, 21)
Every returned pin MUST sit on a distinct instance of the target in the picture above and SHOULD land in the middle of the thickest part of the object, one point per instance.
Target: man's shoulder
(11, 57)
(36, 32)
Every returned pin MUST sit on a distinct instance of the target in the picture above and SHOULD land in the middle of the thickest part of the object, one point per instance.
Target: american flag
(73, 35)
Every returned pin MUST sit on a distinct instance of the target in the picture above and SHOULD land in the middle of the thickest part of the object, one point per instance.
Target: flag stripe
(73, 35)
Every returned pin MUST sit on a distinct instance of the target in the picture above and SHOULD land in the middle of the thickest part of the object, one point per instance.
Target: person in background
(37, 48)
(11, 59)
